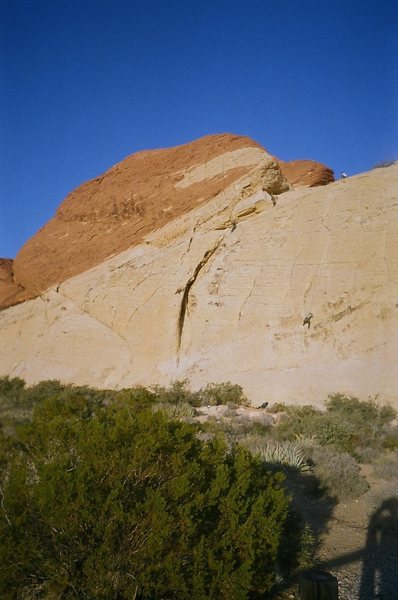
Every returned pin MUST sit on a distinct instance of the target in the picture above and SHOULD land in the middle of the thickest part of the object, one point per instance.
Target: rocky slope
(220, 291)
(141, 194)
(10, 292)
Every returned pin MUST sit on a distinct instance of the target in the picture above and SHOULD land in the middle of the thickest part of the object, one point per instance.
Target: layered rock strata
(221, 293)
(135, 197)
(10, 292)
(306, 172)
(142, 193)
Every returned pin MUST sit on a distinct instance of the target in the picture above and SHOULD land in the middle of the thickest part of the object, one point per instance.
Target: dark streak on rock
(187, 289)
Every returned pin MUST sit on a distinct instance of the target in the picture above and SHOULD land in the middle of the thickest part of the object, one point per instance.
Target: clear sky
(84, 83)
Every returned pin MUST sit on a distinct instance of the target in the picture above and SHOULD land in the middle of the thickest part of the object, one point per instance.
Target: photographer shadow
(311, 512)
(379, 579)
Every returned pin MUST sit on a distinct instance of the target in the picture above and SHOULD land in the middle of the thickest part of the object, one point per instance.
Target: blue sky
(84, 83)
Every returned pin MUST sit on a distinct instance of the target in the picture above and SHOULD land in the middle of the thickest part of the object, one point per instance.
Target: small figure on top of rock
(307, 319)
(344, 175)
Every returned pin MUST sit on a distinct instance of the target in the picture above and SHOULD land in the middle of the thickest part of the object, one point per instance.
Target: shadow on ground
(379, 557)
(315, 508)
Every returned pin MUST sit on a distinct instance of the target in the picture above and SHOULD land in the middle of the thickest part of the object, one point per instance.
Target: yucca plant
(287, 453)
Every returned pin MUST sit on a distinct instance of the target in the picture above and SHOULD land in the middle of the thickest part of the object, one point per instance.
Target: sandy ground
(358, 548)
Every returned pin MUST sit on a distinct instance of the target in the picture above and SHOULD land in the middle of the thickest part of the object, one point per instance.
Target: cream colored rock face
(221, 293)
(219, 165)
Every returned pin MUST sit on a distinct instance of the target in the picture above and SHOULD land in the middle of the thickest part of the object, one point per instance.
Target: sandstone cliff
(10, 292)
(306, 172)
(220, 291)
(140, 194)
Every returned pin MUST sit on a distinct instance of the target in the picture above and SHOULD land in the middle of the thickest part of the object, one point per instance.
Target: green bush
(13, 403)
(348, 424)
(213, 394)
(229, 393)
(177, 393)
(11, 388)
(324, 428)
(361, 412)
(103, 498)
(18, 401)
(390, 439)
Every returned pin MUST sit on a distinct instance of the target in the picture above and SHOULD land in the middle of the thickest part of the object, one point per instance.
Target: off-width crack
(187, 288)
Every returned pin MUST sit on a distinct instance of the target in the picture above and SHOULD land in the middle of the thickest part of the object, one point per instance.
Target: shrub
(307, 548)
(362, 413)
(348, 424)
(175, 411)
(177, 393)
(13, 404)
(18, 401)
(367, 419)
(338, 473)
(229, 393)
(213, 394)
(282, 454)
(390, 440)
(386, 467)
(11, 388)
(312, 423)
(106, 499)
(366, 454)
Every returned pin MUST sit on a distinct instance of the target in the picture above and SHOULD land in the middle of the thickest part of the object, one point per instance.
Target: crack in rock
(187, 288)
(247, 298)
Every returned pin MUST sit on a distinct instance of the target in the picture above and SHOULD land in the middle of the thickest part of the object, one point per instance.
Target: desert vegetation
(103, 495)
(126, 494)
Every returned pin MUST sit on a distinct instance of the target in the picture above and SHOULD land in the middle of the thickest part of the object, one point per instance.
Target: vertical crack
(247, 298)
(187, 288)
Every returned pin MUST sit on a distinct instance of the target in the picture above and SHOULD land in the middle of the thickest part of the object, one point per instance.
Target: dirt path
(361, 550)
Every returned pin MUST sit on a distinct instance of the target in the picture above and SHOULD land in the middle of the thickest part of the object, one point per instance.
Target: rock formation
(306, 172)
(219, 290)
(10, 292)
(140, 194)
